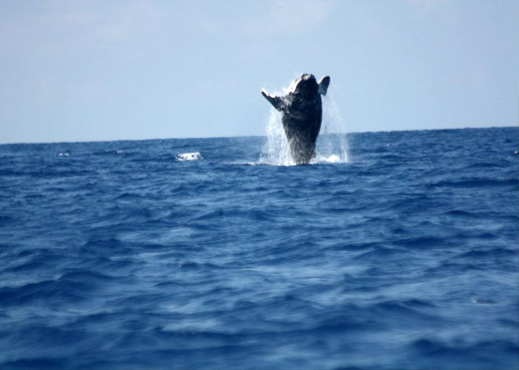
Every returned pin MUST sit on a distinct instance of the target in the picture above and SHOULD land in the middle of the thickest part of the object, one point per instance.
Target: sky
(91, 70)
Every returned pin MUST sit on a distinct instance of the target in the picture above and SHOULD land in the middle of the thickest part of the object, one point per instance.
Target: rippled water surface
(121, 255)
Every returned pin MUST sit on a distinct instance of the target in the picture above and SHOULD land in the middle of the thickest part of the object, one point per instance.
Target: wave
(404, 246)
(476, 182)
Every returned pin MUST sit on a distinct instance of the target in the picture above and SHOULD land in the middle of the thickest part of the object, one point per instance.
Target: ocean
(393, 250)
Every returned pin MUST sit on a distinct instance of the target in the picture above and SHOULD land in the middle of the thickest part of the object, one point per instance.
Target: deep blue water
(115, 255)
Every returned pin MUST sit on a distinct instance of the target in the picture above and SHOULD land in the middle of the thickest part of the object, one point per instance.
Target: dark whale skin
(302, 112)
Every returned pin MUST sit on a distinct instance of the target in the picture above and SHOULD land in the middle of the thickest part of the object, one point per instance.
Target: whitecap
(195, 156)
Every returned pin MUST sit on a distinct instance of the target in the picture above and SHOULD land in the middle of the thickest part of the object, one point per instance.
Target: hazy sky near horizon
(88, 70)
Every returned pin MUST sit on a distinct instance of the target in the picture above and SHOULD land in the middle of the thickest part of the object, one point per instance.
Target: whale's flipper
(276, 101)
(323, 85)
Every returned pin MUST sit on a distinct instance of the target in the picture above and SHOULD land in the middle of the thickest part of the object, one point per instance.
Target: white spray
(276, 151)
(332, 145)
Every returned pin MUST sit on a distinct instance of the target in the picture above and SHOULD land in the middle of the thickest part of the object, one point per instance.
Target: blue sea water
(121, 255)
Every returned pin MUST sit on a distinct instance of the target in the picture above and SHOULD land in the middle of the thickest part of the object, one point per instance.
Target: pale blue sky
(88, 70)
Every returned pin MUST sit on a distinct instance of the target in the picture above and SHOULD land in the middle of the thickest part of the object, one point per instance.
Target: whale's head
(303, 88)
(305, 85)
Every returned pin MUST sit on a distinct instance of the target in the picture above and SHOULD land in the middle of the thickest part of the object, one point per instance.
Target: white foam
(63, 155)
(195, 156)
(334, 158)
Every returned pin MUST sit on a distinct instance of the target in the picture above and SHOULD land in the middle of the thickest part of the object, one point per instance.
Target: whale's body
(302, 111)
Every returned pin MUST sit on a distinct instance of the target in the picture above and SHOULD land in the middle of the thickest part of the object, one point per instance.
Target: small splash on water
(195, 156)
(332, 146)
(63, 154)
(334, 158)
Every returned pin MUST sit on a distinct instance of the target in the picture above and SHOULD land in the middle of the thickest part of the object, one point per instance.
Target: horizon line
(245, 136)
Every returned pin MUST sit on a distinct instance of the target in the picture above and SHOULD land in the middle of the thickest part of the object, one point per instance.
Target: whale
(302, 111)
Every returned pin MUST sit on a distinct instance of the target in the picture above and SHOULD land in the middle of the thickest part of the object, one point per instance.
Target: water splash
(276, 151)
(332, 146)
(195, 156)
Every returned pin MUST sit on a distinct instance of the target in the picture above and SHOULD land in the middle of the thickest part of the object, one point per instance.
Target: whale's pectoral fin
(276, 101)
(323, 85)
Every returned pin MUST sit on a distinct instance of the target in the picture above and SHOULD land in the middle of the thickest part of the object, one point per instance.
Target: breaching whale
(302, 113)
